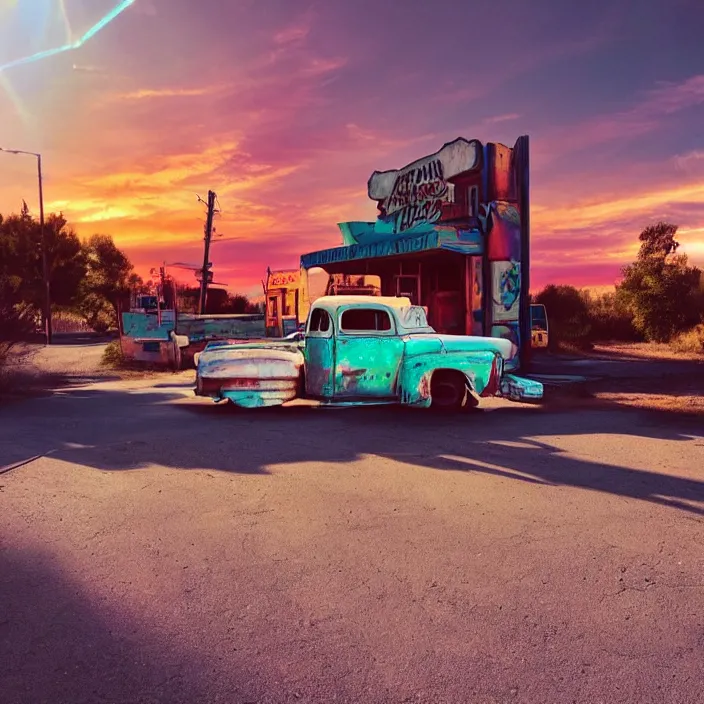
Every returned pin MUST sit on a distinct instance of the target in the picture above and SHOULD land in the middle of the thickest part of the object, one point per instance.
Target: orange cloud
(596, 213)
(144, 93)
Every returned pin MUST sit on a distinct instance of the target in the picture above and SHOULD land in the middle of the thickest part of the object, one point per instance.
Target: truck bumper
(517, 388)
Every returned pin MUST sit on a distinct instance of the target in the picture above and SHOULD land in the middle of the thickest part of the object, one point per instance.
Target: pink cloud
(691, 161)
(645, 116)
(502, 118)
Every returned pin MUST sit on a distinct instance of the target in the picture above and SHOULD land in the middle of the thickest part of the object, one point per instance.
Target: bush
(691, 342)
(568, 316)
(17, 322)
(610, 320)
(112, 356)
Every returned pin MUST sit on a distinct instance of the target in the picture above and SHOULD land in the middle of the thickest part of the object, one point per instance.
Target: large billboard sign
(416, 193)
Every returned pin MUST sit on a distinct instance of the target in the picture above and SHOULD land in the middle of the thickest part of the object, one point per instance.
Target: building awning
(451, 239)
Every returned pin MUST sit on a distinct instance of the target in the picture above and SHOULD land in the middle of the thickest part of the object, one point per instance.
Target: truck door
(319, 354)
(368, 355)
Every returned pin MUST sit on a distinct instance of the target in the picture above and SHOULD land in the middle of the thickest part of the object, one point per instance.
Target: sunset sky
(286, 107)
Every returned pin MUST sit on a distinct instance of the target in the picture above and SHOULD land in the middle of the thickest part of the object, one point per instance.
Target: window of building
(473, 201)
(319, 321)
(365, 320)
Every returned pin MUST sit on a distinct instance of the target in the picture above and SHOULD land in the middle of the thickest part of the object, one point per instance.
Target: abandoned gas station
(452, 234)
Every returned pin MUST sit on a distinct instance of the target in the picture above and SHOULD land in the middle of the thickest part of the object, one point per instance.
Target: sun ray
(13, 97)
(64, 18)
(70, 45)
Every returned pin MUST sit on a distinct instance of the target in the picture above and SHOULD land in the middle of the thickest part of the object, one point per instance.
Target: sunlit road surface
(160, 548)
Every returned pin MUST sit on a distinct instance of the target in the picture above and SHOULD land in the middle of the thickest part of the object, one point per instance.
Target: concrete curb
(556, 385)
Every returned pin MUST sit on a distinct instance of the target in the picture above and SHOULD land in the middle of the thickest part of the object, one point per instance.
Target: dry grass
(690, 342)
(644, 350)
(692, 404)
(680, 393)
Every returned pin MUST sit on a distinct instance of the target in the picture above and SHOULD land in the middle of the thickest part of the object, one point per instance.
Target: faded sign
(284, 279)
(448, 238)
(384, 248)
(416, 193)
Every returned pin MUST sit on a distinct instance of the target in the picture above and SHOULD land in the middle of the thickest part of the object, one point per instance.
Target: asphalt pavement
(160, 548)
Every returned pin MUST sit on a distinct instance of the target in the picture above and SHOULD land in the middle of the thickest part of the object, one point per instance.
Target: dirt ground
(72, 359)
(156, 547)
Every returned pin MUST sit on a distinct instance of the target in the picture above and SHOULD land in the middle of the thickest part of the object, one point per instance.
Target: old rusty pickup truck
(363, 350)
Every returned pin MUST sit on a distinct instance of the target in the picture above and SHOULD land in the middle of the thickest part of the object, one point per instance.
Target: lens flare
(70, 45)
(13, 97)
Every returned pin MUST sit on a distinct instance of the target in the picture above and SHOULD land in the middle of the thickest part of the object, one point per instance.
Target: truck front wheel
(448, 390)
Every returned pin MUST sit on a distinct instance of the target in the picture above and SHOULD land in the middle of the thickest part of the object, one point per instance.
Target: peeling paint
(343, 365)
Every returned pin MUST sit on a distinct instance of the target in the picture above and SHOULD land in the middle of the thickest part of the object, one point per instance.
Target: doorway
(408, 285)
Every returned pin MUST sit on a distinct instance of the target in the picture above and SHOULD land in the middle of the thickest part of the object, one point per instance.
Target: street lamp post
(45, 265)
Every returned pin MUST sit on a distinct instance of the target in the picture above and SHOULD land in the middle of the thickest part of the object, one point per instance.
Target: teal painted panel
(142, 325)
(367, 366)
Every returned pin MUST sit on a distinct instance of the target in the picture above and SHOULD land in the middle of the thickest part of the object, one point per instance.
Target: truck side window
(319, 321)
(365, 320)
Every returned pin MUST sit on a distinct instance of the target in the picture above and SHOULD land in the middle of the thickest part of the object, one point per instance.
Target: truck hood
(434, 342)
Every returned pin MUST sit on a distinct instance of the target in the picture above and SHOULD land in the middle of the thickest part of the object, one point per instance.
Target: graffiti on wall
(506, 279)
(508, 276)
(477, 296)
(418, 196)
(415, 194)
(505, 304)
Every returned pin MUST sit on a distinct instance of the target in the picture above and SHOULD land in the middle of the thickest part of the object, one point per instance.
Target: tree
(568, 313)
(660, 289)
(21, 254)
(239, 303)
(108, 282)
(21, 269)
(610, 319)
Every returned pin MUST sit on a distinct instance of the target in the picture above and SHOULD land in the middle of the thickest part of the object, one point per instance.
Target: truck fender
(417, 372)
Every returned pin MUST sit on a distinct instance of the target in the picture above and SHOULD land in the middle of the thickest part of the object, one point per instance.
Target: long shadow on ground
(57, 644)
(118, 430)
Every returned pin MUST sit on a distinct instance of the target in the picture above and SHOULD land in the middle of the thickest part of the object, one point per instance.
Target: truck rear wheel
(448, 390)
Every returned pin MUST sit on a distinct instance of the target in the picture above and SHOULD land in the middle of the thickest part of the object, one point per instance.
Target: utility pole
(45, 266)
(206, 264)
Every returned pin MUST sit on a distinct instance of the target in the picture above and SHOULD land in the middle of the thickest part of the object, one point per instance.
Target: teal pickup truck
(359, 350)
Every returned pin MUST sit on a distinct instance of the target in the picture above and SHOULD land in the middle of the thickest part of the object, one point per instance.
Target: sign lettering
(416, 193)
(282, 279)
(384, 248)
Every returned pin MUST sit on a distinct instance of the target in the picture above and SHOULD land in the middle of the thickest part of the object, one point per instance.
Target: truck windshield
(538, 317)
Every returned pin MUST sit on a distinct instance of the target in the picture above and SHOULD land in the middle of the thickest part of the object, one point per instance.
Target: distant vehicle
(360, 350)
(146, 304)
(538, 325)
